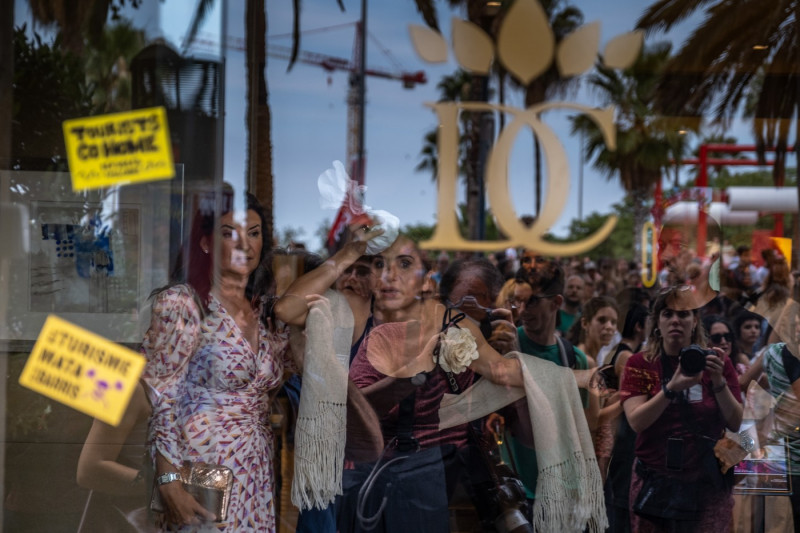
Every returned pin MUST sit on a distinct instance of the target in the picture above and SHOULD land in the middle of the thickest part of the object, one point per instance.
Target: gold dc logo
(526, 47)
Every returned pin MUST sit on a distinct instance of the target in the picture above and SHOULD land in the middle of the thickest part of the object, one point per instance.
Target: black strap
(567, 351)
(405, 419)
(405, 422)
(449, 320)
(621, 347)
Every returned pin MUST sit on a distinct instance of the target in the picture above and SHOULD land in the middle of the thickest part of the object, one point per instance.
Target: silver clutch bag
(210, 484)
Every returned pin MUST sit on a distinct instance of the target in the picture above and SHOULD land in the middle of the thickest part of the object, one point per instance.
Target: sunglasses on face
(716, 338)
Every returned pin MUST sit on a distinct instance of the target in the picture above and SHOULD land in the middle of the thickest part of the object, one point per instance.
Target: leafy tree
(79, 21)
(107, 66)
(49, 87)
(618, 245)
(760, 178)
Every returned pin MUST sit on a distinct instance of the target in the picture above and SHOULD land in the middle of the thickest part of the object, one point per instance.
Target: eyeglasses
(675, 288)
(716, 338)
(533, 300)
(469, 303)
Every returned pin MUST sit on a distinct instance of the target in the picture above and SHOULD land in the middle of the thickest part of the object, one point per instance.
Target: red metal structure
(703, 161)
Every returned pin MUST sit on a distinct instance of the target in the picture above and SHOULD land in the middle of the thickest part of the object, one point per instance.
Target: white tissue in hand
(390, 225)
(334, 184)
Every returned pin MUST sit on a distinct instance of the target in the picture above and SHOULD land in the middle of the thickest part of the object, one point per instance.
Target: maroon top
(392, 337)
(642, 377)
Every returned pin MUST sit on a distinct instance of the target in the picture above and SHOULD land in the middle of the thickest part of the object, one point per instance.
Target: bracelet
(668, 394)
(721, 388)
(169, 477)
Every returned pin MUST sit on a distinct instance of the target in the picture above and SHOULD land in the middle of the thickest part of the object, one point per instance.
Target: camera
(486, 325)
(507, 509)
(508, 496)
(693, 359)
(607, 374)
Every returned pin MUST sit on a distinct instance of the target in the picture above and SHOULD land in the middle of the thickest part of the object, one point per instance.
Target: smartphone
(674, 454)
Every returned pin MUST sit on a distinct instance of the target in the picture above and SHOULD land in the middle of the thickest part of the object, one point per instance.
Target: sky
(309, 109)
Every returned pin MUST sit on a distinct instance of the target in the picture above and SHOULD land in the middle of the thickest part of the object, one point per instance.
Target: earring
(205, 250)
(657, 332)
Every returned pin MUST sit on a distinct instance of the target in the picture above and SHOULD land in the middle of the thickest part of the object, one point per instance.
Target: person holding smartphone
(678, 416)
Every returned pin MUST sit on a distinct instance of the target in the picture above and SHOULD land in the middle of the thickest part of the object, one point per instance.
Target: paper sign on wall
(82, 370)
(119, 148)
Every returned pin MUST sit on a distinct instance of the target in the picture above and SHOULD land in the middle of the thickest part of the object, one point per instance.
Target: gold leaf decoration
(472, 47)
(621, 51)
(578, 50)
(525, 42)
(429, 44)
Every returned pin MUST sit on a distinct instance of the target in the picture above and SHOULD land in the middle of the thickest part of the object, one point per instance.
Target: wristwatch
(169, 477)
(668, 394)
(746, 441)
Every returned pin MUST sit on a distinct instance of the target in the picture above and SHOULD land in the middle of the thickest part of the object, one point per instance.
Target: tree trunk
(259, 146)
(640, 216)
(534, 94)
(6, 80)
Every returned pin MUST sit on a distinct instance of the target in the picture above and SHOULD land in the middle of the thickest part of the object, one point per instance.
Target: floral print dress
(213, 403)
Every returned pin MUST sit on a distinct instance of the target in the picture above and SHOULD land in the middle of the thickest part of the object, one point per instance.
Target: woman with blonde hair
(679, 403)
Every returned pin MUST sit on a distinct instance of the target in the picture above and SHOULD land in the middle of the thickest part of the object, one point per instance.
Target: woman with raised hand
(213, 361)
(679, 403)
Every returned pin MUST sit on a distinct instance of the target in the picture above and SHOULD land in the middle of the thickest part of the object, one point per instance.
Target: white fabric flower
(457, 350)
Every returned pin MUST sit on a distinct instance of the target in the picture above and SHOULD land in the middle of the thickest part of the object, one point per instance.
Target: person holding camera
(679, 397)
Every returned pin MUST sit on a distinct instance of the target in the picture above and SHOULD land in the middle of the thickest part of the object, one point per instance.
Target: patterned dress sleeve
(640, 378)
(173, 337)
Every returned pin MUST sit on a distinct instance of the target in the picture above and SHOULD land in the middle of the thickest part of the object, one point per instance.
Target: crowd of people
(547, 393)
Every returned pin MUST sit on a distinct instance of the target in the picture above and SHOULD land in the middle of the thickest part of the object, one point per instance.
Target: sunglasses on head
(716, 338)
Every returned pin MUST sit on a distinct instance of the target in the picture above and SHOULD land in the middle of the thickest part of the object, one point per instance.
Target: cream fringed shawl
(569, 491)
(321, 420)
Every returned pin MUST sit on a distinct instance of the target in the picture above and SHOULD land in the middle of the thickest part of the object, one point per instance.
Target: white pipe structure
(763, 199)
(686, 213)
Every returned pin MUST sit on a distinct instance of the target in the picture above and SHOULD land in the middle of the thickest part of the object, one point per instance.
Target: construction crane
(355, 107)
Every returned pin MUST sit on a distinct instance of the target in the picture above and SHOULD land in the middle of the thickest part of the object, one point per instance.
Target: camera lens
(693, 359)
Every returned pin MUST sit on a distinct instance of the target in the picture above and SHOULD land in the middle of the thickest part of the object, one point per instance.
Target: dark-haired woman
(397, 349)
(678, 417)
(748, 330)
(213, 361)
(618, 478)
(721, 335)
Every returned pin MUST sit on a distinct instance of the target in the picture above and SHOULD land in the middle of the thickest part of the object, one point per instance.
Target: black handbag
(663, 497)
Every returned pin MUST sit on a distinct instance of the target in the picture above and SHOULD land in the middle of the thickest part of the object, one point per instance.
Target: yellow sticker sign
(119, 148)
(82, 370)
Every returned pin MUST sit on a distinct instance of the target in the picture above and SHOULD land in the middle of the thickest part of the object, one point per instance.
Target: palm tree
(564, 19)
(107, 66)
(646, 143)
(455, 87)
(743, 51)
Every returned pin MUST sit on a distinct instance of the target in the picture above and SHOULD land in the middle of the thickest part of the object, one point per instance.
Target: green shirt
(522, 457)
(565, 320)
